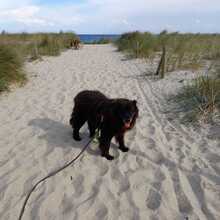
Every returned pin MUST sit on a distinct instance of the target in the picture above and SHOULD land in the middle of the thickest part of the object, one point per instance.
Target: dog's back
(89, 100)
(89, 97)
(87, 103)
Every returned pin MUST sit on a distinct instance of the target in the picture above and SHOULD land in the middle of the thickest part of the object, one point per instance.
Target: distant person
(75, 44)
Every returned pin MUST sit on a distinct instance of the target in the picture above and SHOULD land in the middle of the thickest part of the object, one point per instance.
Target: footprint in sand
(102, 212)
(154, 197)
(153, 200)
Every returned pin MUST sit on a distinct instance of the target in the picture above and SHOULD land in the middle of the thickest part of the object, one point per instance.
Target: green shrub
(49, 45)
(206, 91)
(200, 98)
(10, 68)
(32, 46)
(183, 51)
(137, 44)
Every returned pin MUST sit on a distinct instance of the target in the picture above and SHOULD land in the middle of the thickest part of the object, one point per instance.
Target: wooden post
(137, 49)
(36, 50)
(162, 64)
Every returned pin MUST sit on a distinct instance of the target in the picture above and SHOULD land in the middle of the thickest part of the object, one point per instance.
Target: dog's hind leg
(77, 120)
(92, 128)
(93, 123)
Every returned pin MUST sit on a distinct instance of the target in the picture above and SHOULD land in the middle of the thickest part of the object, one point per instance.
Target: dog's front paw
(124, 149)
(77, 137)
(108, 156)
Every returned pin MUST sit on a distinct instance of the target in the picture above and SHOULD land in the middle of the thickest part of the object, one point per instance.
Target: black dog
(113, 116)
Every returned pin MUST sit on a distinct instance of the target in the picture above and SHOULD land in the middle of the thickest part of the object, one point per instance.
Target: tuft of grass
(49, 45)
(200, 98)
(137, 44)
(207, 93)
(11, 68)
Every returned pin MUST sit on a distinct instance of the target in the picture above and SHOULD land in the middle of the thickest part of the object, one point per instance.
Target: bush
(49, 45)
(206, 91)
(32, 46)
(10, 68)
(137, 44)
(200, 98)
(183, 51)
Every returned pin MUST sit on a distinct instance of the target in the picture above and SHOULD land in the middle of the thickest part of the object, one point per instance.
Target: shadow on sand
(58, 134)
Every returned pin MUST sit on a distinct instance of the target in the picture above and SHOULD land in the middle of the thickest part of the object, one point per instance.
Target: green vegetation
(183, 51)
(200, 99)
(10, 68)
(36, 45)
(15, 49)
(137, 44)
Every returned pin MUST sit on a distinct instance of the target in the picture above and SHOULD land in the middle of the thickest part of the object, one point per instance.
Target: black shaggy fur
(114, 116)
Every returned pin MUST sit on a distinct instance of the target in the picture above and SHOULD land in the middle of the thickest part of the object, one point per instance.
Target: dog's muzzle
(127, 123)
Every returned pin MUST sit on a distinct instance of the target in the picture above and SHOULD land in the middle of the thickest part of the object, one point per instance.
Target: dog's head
(126, 112)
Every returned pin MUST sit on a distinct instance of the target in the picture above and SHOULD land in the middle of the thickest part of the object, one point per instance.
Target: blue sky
(110, 16)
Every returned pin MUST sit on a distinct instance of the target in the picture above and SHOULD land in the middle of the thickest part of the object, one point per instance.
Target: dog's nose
(127, 120)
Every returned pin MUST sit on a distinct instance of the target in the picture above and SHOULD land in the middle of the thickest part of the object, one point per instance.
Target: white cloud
(20, 13)
(107, 16)
(135, 6)
(26, 15)
(11, 4)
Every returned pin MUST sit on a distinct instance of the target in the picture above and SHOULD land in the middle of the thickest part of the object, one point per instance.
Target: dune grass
(137, 44)
(183, 51)
(38, 44)
(11, 68)
(15, 49)
(200, 99)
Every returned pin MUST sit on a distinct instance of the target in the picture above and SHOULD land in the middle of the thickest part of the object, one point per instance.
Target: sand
(172, 170)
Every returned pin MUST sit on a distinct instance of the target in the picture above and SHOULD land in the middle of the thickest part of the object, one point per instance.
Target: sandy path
(171, 172)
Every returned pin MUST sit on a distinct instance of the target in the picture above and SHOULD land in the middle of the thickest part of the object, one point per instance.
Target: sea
(90, 38)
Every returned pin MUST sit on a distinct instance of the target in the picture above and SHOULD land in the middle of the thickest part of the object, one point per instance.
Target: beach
(172, 171)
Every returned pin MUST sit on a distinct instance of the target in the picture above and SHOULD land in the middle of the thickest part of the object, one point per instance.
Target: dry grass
(11, 68)
(183, 51)
(15, 49)
(200, 99)
(39, 44)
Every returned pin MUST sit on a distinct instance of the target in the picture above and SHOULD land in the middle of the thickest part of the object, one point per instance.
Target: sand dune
(172, 171)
